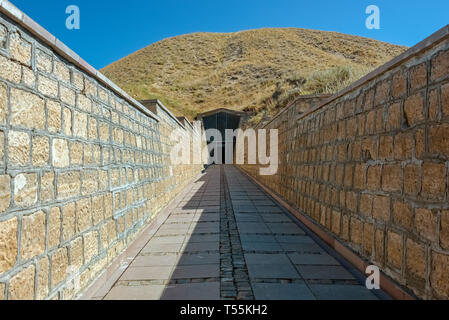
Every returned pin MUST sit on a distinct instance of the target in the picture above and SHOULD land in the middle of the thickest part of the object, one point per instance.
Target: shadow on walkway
(227, 239)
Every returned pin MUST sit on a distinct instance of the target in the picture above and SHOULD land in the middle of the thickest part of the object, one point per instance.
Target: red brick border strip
(387, 284)
(103, 284)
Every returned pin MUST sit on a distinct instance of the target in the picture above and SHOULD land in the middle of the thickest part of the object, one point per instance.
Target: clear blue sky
(113, 29)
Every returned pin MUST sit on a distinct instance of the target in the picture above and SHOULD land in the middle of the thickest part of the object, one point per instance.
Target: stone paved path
(227, 239)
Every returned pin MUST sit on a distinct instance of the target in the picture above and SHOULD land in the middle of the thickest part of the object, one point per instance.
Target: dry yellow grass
(250, 70)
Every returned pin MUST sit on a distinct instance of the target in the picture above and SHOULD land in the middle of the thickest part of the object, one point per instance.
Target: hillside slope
(248, 70)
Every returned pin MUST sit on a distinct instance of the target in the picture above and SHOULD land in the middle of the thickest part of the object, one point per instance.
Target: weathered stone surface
(416, 259)
(77, 253)
(444, 231)
(60, 152)
(403, 214)
(47, 86)
(67, 95)
(433, 180)
(84, 103)
(381, 208)
(42, 279)
(2, 148)
(20, 49)
(3, 102)
(27, 109)
(62, 72)
(444, 101)
(69, 184)
(414, 109)
(2, 291)
(59, 266)
(47, 191)
(68, 221)
(76, 153)
(10, 70)
(411, 179)
(394, 250)
(8, 244)
(61, 122)
(83, 215)
(44, 62)
(78, 80)
(67, 118)
(5, 192)
(90, 245)
(54, 229)
(18, 148)
(40, 154)
(439, 277)
(54, 119)
(438, 139)
(97, 209)
(426, 223)
(21, 286)
(3, 37)
(418, 76)
(80, 124)
(90, 182)
(33, 235)
(440, 65)
(25, 189)
(28, 78)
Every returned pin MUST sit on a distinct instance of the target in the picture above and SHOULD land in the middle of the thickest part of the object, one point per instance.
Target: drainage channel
(235, 283)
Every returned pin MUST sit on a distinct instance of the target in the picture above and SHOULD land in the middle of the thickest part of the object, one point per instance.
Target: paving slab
(199, 258)
(196, 271)
(267, 217)
(261, 246)
(200, 246)
(143, 292)
(325, 272)
(248, 218)
(313, 259)
(277, 291)
(147, 273)
(167, 240)
(268, 259)
(162, 248)
(311, 248)
(202, 238)
(266, 271)
(257, 238)
(192, 291)
(225, 238)
(294, 239)
(342, 292)
(252, 227)
(284, 228)
(155, 260)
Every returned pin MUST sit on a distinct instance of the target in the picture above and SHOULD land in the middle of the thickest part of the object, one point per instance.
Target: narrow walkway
(227, 239)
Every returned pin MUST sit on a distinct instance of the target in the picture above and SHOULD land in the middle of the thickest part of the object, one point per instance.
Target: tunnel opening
(220, 120)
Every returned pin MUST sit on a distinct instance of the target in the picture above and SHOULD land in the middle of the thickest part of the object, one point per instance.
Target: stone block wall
(83, 167)
(174, 177)
(371, 167)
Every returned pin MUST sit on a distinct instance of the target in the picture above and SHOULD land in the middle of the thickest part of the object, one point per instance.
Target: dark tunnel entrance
(221, 119)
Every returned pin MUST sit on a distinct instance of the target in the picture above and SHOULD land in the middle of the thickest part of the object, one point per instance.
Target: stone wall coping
(63, 50)
(163, 107)
(291, 104)
(425, 44)
(185, 121)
